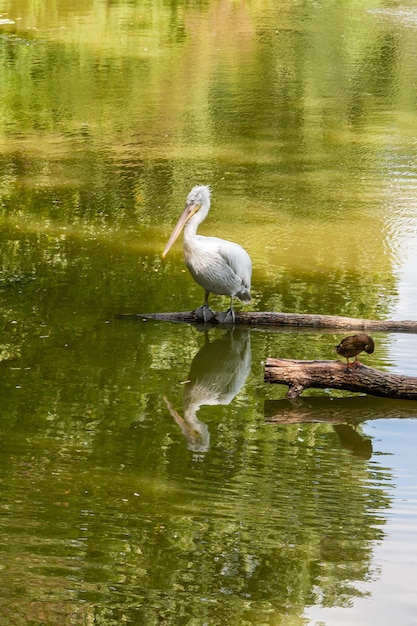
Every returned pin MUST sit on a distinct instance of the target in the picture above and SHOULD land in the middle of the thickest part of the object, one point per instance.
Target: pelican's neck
(194, 222)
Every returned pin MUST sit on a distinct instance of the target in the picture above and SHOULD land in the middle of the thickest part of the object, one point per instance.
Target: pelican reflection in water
(217, 265)
(217, 374)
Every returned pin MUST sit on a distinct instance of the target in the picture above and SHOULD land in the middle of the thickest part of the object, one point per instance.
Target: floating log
(299, 320)
(300, 375)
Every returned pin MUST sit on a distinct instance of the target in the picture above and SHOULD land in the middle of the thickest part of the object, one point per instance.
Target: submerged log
(300, 375)
(299, 320)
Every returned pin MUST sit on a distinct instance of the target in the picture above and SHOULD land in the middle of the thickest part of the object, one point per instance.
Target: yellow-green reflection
(301, 118)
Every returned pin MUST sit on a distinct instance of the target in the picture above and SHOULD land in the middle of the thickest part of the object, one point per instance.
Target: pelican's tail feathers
(244, 295)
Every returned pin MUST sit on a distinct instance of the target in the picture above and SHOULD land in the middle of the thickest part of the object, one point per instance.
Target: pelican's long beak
(188, 212)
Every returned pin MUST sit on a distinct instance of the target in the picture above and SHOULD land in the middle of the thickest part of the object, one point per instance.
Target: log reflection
(345, 414)
(353, 410)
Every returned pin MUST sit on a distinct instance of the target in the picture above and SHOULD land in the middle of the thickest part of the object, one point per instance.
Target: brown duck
(354, 345)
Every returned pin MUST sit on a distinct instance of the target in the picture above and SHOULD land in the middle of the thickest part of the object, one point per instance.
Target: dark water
(142, 480)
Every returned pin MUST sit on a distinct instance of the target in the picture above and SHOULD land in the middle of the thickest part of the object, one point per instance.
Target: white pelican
(219, 266)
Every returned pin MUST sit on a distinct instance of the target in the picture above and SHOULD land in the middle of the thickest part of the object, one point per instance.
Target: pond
(142, 481)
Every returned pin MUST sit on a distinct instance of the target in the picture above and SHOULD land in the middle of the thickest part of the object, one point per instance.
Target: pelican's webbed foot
(204, 313)
(226, 318)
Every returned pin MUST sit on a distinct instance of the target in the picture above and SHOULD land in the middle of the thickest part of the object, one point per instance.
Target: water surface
(141, 480)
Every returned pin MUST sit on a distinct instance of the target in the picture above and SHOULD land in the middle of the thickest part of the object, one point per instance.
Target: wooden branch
(300, 375)
(299, 320)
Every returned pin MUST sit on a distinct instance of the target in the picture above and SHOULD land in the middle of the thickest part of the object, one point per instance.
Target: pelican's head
(197, 200)
(199, 195)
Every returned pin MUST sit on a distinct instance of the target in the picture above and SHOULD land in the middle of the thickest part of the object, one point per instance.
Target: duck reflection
(217, 374)
(351, 440)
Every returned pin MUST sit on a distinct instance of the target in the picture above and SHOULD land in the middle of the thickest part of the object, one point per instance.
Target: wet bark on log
(300, 375)
(297, 320)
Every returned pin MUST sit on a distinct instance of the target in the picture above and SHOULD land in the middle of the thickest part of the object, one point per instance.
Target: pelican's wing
(238, 260)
